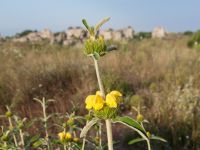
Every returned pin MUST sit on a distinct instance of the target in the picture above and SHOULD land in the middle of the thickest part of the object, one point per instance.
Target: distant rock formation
(159, 32)
(74, 35)
(118, 35)
(35, 36)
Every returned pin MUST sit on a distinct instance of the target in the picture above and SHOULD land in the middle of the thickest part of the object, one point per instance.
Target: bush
(25, 32)
(143, 35)
(188, 33)
(195, 41)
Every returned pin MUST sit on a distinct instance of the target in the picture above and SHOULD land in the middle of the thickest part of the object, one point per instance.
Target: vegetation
(195, 41)
(158, 76)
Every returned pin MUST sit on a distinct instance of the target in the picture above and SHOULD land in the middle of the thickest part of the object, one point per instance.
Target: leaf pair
(93, 30)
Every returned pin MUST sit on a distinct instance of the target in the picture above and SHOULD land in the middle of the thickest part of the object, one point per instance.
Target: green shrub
(25, 32)
(195, 41)
(143, 35)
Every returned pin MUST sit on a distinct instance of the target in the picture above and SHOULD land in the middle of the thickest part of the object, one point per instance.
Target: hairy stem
(11, 126)
(45, 122)
(108, 121)
(22, 138)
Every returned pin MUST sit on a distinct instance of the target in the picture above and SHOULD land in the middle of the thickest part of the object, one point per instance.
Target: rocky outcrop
(46, 34)
(74, 35)
(107, 34)
(128, 32)
(159, 32)
(118, 35)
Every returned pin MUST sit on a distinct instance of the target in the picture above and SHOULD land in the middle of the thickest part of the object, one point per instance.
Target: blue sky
(58, 15)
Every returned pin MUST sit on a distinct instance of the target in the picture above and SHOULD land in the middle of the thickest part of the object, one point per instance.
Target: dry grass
(151, 68)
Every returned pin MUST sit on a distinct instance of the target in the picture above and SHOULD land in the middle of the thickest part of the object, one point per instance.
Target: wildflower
(140, 118)
(68, 136)
(111, 99)
(64, 136)
(98, 102)
(94, 101)
(8, 114)
(61, 136)
(90, 101)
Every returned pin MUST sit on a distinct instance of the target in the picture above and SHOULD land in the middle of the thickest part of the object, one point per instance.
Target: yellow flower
(68, 136)
(94, 101)
(90, 101)
(61, 136)
(116, 93)
(98, 102)
(111, 99)
(98, 93)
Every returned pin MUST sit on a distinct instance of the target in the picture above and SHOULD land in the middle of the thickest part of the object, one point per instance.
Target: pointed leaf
(86, 24)
(133, 124)
(153, 137)
(88, 126)
(96, 55)
(97, 27)
(136, 141)
(129, 121)
(141, 139)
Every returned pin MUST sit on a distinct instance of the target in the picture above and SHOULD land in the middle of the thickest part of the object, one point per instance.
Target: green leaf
(153, 137)
(97, 27)
(96, 55)
(141, 139)
(136, 141)
(133, 124)
(86, 24)
(88, 126)
(129, 121)
(37, 143)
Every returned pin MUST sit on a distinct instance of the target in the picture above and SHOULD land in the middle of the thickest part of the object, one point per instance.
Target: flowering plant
(105, 107)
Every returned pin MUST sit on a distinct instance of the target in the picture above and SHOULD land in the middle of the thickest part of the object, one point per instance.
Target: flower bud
(4, 138)
(70, 122)
(140, 118)
(148, 134)
(8, 114)
(76, 140)
(64, 125)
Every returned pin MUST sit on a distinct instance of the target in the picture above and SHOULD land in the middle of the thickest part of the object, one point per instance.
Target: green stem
(108, 121)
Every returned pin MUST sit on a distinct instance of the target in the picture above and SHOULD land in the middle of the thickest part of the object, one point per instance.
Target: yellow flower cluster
(64, 136)
(97, 102)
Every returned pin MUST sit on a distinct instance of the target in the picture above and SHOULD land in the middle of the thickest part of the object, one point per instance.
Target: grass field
(160, 75)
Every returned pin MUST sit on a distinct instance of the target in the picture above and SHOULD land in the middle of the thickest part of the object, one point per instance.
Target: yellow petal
(116, 93)
(111, 101)
(61, 135)
(98, 103)
(98, 93)
(90, 101)
(68, 136)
